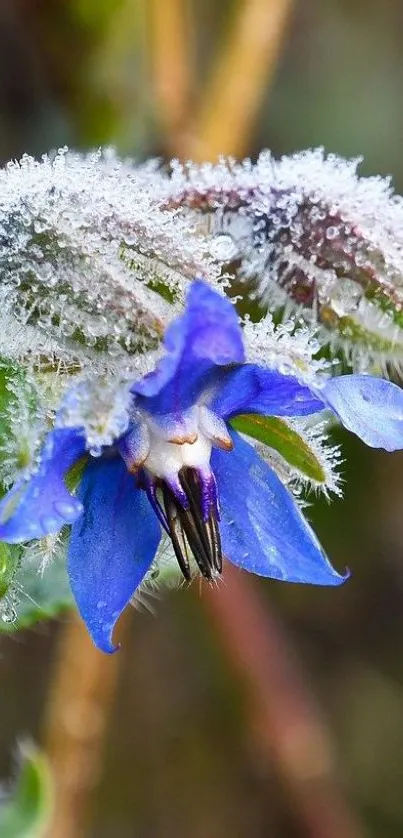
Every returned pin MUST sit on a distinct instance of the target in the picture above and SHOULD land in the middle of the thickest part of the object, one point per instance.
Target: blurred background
(261, 709)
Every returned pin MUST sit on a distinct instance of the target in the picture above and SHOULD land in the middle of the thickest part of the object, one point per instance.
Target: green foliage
(9, 563)
(27, 592)
(35, 594)
(277, 434)
(28, 813)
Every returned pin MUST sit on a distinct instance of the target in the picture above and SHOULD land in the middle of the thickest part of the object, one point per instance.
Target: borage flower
(174, 463)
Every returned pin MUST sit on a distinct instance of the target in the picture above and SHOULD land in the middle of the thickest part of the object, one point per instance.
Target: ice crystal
(101, 407)
(96, 255)
(309, 232)
(314, 433)
(89, 256)
(93, 249)
(8, 607)
(291, 347)
(43, 551)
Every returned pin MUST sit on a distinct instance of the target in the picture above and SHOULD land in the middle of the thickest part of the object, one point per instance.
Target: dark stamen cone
(190, 528)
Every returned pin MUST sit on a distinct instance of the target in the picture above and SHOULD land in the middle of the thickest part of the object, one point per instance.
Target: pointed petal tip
(102, 638)
(332, 578)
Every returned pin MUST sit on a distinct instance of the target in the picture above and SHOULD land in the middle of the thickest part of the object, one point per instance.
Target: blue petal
(262, 529)
(254, 389)
(370, 407)
(207, 335)
(111, 546)
(41, 505)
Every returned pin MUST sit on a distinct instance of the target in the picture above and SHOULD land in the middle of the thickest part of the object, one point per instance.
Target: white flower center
(166, 459)
(165, 449)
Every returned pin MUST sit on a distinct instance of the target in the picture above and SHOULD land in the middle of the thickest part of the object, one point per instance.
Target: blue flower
(174, 464)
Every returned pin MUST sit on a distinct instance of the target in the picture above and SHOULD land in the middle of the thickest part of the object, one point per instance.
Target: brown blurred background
(186, 753)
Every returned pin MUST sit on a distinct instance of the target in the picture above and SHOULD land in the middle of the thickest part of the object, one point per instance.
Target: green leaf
(8, 370)
(277, 434)
(28, 813)
(38, 595)
(9, 564)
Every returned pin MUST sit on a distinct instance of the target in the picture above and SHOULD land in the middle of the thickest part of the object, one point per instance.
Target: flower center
(182, 490)
(166, 459)
(172, 462)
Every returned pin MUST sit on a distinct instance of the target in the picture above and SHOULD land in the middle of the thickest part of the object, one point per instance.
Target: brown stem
(171, 65)
(286, 721)
(82, 690)
(240, 77)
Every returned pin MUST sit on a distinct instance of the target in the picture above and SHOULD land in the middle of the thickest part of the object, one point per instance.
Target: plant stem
(241, 76)
(169, 36)
(286, 721)
(81, 693)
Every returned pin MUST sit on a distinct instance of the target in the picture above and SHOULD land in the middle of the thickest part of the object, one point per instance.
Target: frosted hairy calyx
(309, 234)
(89, 258)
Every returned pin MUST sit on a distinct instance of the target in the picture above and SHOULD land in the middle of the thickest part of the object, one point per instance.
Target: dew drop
(9, 615)
(331, 233)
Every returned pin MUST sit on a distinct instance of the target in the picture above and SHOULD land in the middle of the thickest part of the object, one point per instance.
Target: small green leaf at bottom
(28, 813)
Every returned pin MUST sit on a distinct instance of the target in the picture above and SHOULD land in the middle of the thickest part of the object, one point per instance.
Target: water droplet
(9, 615)
(332, 233)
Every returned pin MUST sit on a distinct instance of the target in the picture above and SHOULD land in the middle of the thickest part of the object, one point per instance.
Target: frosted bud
(309, 234)
(90, 258)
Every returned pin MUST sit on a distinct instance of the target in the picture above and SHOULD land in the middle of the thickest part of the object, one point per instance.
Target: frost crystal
(315, 435)
(96, 255)
(94, 250)
(89, 257)
(101, 407)
(312, 235)
(291, 347)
